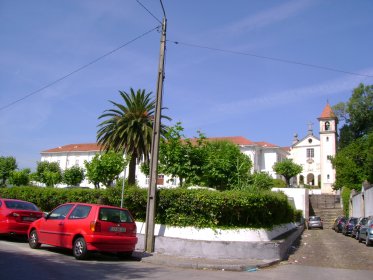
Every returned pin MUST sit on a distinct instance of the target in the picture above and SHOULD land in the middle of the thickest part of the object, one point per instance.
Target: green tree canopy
(48, 173)
(73, 176)
(128, 128)
(105, 168)
(357, 114)
(354, 163)
(20, 178)
(179, 157)
(7, 166)
(225, 165)
(288, 169)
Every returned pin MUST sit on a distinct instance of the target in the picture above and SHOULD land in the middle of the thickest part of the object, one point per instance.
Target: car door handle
(60, 224)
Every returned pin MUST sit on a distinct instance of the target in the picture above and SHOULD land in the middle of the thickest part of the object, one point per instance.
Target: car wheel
(367, 241)
(80, 251)
(33, 240)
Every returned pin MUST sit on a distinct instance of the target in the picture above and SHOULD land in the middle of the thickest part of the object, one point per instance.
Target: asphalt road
(319, 256)
(326, 248)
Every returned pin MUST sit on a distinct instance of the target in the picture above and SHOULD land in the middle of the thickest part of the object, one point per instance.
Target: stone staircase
(328, 207)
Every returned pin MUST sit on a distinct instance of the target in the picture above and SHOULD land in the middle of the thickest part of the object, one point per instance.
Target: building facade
(262, 154)
(313, 153)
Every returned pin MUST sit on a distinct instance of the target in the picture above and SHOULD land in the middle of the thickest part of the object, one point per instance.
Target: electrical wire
(271, 58)
(148, 11)
(78, 69)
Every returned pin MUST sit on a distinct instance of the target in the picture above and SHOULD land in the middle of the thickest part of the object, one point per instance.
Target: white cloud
(267, 17)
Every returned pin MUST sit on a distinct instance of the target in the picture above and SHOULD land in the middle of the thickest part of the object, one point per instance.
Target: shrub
(176, 207)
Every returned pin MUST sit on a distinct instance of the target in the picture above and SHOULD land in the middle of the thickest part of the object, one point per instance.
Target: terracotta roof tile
(238, 140)
(266, 144)
(327, 113)
(88, 147)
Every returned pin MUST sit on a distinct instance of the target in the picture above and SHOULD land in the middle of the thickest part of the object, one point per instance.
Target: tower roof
(327, 113)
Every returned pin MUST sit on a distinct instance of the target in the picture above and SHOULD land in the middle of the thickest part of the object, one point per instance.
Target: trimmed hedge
(176, 207)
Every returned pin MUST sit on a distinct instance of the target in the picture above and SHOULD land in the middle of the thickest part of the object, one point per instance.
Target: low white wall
(300, 197)
(207, 234)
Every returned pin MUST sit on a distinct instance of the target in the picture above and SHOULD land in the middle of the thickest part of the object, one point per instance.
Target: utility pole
(152, 191)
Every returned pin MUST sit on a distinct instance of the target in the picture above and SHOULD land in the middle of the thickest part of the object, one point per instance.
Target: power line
(272, 58)
(148, 11)
(78, 69)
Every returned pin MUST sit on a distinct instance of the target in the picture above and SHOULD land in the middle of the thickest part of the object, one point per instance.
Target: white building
(313, 153)
(263, 155)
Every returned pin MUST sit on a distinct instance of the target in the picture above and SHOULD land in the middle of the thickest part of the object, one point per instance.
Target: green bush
(176, 207)
(346, 201)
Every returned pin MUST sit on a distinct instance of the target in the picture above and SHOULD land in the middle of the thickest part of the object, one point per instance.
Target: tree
(357, 115)
(105, 168)
(20, 178)
(128, 128)
(262, 180)
(48, 173)
(354, 163)
(7, 166)
(178, 156)
(224, 166)
(73, 176)
(288, 169)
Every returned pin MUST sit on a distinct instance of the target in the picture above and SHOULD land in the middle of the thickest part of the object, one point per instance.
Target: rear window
(20, 205)
(315, 219)
(114, 215)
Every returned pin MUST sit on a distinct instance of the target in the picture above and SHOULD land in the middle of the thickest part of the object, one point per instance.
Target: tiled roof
(327, 113)
(93, 147)
(88, 147)
(238, 140)
(266, 144)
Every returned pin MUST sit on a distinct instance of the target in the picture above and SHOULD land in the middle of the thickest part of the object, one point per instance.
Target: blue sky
(217, 92)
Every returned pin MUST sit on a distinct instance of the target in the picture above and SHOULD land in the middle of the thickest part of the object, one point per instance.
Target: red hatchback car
(17, 215)
(86, 227)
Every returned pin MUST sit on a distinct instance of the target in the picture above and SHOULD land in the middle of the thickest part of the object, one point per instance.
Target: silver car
(314, 222)
(366, 232)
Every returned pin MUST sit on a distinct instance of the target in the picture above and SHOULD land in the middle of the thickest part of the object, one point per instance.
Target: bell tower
(328, 147)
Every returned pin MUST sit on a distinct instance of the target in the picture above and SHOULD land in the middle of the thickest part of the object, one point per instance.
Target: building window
(328, 176)
(327, 139)
(77, 162)
(327, 126)
(310, 153)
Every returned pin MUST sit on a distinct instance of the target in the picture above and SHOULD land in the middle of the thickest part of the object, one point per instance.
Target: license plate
(30, 219)
(117, 229)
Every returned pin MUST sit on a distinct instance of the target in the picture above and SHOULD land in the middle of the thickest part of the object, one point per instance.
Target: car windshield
(315, 219)
(20, 205)
(114, 215)
(353, 221)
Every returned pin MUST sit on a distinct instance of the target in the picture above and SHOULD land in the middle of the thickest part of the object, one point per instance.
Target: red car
(17, 215)
(86, 227)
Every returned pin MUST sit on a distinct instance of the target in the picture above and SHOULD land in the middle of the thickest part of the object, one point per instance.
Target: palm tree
(128, 128)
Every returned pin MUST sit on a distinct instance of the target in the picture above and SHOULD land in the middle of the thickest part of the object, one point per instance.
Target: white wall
(299, 196)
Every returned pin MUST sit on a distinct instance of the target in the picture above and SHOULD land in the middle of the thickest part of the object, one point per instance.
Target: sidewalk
(280, 246)
(202, 263)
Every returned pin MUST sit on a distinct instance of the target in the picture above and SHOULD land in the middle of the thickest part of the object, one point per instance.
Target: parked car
(84, 228)
(356, 230)
(314, 222)
(338, 223)
(366, 232)
(348, 226)
(17, 215)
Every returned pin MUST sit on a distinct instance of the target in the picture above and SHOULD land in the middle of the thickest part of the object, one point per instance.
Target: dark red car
(17, 215)
(84, 228)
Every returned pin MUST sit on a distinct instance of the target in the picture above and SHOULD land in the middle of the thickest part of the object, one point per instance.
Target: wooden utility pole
(152, 191)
